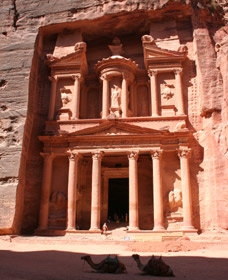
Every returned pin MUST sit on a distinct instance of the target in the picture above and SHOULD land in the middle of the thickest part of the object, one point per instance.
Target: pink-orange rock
(30, 33)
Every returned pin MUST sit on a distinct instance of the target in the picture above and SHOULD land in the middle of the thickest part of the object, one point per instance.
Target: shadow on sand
(48, 265)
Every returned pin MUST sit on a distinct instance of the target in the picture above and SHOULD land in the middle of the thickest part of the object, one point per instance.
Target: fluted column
(72, 190)
(184, 154)
(179, 91)
(51, 110)
(133, 191)
(154, 92)
(105, 97)
(96, 191)
(157, 190)
(45, 190)
(124, 96)
(76, 96)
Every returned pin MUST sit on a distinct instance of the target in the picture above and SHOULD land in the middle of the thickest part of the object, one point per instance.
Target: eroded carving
(167, 91)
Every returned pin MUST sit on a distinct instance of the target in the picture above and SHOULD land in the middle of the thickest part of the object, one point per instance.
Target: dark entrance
(118, 199)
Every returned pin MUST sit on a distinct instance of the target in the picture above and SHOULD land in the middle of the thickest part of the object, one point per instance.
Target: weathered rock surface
(28, 32)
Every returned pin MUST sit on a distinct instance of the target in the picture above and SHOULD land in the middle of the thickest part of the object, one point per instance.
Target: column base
(70, 229)
(133, 229)
(159, 228)
(188, 228)
(41, 228)
(95, 229)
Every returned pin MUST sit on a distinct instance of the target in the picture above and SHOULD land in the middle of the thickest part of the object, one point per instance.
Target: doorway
(118, 200)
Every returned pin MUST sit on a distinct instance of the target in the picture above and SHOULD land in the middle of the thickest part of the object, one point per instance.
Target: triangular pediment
(154, 52)
(75, 60)
(116, 129)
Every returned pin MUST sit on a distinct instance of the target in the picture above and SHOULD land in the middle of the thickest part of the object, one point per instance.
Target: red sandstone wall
(22, 83)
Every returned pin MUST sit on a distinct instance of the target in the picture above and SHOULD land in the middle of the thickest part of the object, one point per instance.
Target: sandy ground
(41, 258)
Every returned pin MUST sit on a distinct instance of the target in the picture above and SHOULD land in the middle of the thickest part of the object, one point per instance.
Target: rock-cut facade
(113, 112)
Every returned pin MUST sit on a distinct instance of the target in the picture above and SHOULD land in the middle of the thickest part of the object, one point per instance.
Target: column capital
(184, 152)
(125, 76)
(104, 77)
(133, 155)
(97, 155)
(48, 155)
(73, 156)
(53, 78)
(178, 71)
(77, 76)
(152, 72)
(156, 153)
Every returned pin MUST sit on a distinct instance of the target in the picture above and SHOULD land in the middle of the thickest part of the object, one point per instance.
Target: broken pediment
(73, 61)
(153, 55)
(116, 129)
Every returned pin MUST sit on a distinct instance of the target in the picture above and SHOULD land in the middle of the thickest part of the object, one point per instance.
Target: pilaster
(105, 96)
(51, 110)
(154, 92)
(45, 190)
(76, 96)
(179, 91)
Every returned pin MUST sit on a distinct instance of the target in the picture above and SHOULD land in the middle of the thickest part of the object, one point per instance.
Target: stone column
(96, 191)
(105, 97)
(184, 154)
(179, 91)
(76, 96)
(51, 110)
(72, 190)
(124, 96)
(157, 190)
(45, 190)
(133, 191)
(154, 92)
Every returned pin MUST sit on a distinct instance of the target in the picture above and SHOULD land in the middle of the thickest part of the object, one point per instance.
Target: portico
(105, 165)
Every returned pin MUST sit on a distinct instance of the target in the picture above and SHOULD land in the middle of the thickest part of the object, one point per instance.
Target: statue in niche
(115, 108)
(58, 203)
(175, 200)
(64, 113)
(115, 96)
(167, 91)
(65, 96)
(174, 213)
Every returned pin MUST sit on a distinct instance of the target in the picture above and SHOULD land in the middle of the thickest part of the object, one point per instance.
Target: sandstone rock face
(30, 31)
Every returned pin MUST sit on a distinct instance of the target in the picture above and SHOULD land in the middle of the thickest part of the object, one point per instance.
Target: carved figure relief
(175, 200)
(65, 96)
(167, 91)
(115, 96)
(58, 203)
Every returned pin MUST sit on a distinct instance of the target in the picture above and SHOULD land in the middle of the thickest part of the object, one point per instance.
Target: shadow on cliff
(39, 265)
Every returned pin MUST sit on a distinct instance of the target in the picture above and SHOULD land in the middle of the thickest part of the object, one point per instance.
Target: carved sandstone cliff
(29, 31)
